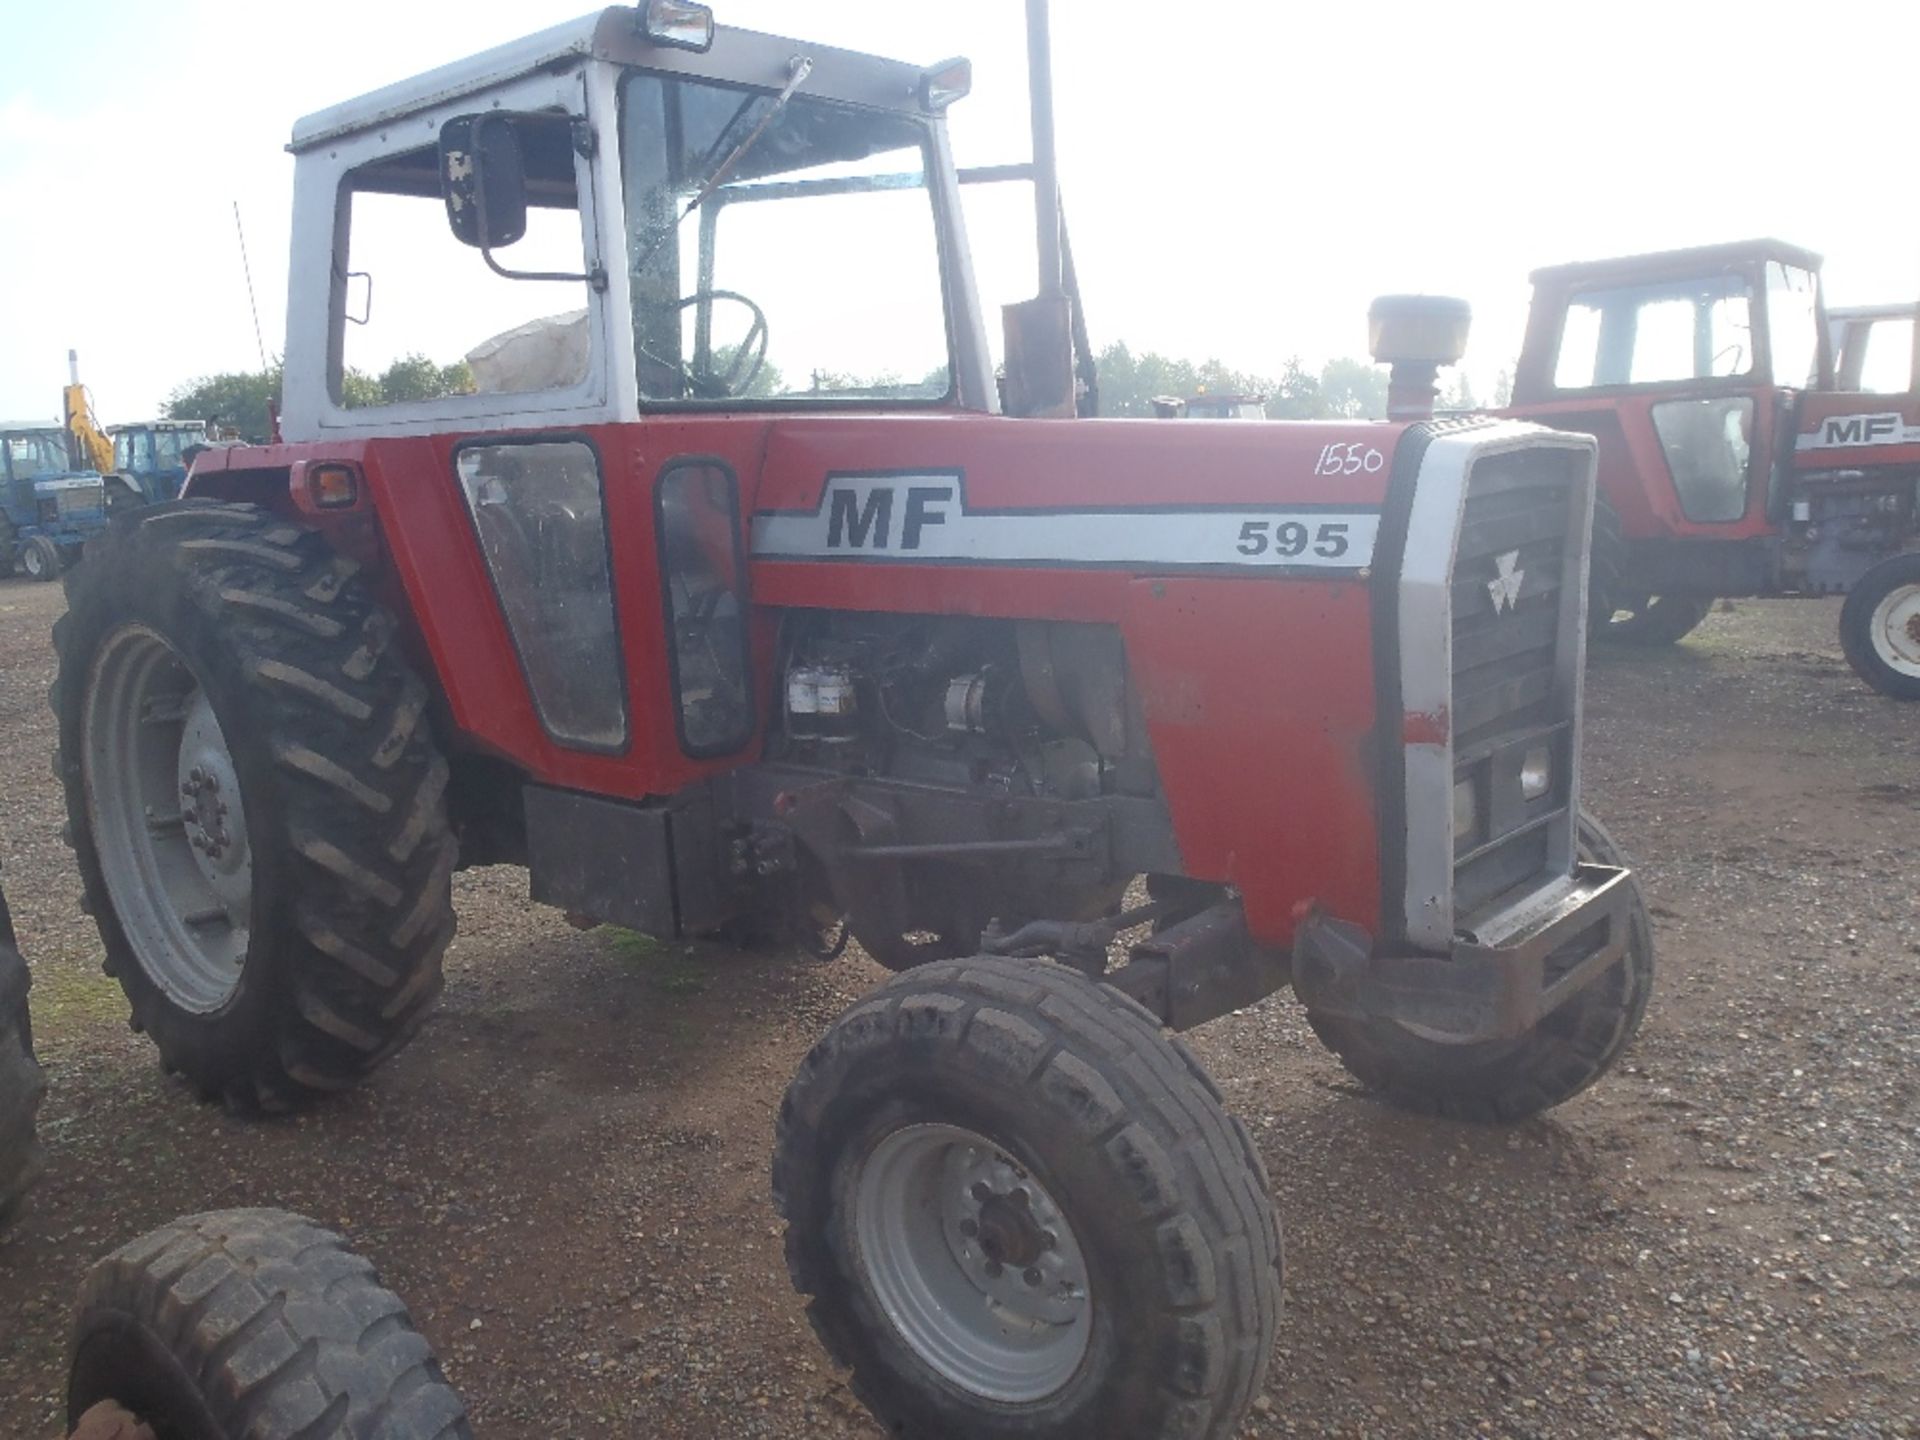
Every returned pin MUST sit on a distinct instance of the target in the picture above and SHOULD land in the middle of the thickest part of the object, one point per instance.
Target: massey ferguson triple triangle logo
(925, 518)
(1505, 587)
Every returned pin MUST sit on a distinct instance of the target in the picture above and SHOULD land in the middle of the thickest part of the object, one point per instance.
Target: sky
(1241, 178)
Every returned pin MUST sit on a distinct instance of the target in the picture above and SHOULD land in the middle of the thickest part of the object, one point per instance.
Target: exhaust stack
(1416, 335)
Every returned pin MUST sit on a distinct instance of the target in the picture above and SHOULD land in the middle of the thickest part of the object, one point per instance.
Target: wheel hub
(974, 1263)
(169, 826)
(1896, 629)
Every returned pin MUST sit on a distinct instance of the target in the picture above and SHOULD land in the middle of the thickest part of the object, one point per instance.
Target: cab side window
(421, 316)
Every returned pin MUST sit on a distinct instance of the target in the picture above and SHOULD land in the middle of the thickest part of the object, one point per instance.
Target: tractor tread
(275, 1327)
(22, 1085)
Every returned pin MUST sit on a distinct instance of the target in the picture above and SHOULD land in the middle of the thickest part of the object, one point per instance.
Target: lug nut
(1032, 1276)
(981, 1191)
(993, 1270)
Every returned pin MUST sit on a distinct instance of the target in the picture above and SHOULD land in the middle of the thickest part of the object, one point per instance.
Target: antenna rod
(1046, 168)
(247, 270)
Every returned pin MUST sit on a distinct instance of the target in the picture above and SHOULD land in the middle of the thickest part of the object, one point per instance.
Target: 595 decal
(1291, 539)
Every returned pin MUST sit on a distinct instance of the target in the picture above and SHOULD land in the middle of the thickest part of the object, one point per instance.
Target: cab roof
(1667, 263)
(744, 57)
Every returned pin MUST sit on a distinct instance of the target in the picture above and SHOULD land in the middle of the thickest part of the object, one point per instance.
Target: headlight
(680, 24)
(1466, 810)
(1536, 772)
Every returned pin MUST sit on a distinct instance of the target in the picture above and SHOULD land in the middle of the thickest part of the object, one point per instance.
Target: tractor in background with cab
(1751, 442)
(767, 609)
(49, 508)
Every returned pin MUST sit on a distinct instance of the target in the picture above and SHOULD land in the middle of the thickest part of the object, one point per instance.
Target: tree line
(1341, 389)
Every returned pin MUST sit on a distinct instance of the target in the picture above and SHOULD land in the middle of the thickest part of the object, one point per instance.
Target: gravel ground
(566, 1174)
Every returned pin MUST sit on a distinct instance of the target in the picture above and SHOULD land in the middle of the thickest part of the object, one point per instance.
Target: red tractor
(744, 601)
(1750, 443)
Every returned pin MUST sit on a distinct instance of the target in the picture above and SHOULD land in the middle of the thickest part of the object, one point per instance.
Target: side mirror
(483, 178)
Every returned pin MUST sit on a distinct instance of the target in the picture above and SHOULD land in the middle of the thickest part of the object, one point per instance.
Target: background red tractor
(1750, 443)
(745, 603)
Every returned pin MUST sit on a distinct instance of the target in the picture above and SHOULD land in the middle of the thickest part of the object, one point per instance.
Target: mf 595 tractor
(1749, 443)
(754, 608)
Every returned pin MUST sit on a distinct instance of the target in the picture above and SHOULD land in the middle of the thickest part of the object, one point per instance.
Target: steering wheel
(749, 357)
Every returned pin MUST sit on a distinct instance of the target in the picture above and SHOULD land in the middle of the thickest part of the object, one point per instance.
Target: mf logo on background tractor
(1505, 586)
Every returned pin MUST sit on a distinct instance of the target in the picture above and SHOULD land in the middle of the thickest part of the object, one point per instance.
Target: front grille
(81, 500)
(1515, 575)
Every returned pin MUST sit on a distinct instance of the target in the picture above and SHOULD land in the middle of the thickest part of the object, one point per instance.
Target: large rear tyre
(1618, 614)
(21, 1084)
(1018, 1209)
(252, 1325)
(1880, 627)
(1509, 1080)
(254, 800)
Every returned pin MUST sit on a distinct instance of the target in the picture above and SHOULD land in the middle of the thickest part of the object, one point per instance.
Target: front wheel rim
(973, 1262)
(1895, 630)
(169, 828)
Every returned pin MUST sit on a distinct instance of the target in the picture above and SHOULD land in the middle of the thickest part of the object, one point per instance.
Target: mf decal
(926, 518)
(1844, 432)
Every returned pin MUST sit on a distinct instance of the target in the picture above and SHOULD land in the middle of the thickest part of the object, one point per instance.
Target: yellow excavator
(92, 450)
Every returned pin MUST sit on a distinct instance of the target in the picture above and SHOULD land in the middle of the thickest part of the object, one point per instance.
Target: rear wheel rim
(1895, 630)
(164, 803)
(973, 1262)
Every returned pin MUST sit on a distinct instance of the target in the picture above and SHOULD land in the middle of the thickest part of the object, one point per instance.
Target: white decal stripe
(923, 519)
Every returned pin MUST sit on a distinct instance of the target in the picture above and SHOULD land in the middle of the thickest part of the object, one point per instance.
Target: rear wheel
(1616, 613)
(254, 800)
(1508, 1080)
(1880, 627)
(1018, 1209)
(251, 1323)
(21, 1083)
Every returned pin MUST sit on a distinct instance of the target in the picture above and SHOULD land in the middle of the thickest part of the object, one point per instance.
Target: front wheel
(250, 1323)
(1880, 627)
(40, 559)
(21, 1084)
(1019, 1210)
(1507, 1080)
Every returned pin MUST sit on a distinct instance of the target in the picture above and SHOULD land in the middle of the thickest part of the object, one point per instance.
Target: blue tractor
(151, 459)
(48, 509)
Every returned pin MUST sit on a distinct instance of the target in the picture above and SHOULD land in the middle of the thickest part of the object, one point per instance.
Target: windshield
(796, 262)
(1695, 329)
(170, 447)
(44, 453)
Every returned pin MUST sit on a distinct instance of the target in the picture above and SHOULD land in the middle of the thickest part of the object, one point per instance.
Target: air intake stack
(1416, 335)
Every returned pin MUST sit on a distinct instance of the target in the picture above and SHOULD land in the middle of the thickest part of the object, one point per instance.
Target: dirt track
(566, 1174)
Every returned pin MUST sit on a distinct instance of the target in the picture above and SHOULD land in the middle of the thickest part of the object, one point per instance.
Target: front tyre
(1507, 1080)
(255, 802)
(22, 1085)
(40, 559)
(255, 1324)
(1880, 627)
(1018, 1209)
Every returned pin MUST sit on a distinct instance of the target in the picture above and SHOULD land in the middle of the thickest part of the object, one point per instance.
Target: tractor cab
(1876, 348)
(1684, 364)
(151, 458)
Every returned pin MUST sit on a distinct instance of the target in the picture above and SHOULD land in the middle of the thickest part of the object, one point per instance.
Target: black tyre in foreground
(1020, 1210)
(1880, 627)
(21, 1083)
(254, 798)
(1509, 1080)
(255, 1324)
